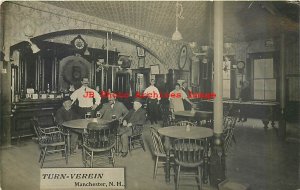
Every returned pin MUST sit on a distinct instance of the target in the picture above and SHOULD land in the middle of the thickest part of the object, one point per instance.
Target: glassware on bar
(98, 114)
(88, 115)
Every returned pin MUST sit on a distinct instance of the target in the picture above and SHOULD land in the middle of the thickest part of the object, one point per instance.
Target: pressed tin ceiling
(242, 20)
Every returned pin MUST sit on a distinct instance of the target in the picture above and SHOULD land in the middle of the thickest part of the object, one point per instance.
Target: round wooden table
(180, 132)
(82, 124)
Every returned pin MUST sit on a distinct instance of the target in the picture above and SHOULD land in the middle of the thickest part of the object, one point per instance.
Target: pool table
(264, 110)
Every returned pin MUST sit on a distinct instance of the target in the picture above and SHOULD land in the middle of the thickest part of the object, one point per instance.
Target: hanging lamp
(177, 35)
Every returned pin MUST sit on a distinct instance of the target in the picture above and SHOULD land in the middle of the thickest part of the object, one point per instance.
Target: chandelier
(179, 9)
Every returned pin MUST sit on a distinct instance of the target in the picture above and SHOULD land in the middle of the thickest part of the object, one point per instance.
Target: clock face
(182, 57)
(79, 43)
(241, 65)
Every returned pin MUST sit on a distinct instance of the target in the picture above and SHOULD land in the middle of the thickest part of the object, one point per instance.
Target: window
(226, 78)
(264, 80)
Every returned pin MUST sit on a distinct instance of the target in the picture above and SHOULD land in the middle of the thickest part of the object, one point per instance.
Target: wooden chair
(185, 123)
(158, 150)
(51, 140)
(46, 121)
(204, 119)
(228, 132)
(99, 142)
(136, 139)
(166, 115)
(188, 154)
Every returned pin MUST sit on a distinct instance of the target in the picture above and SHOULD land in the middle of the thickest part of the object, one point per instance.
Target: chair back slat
(188, 151)
(229, 124)
(137, 130)
(98, 136)
(166, 115)
(157, 144)
(47, 135)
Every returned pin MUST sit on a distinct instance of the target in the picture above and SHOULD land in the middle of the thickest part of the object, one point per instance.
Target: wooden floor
(258, 159)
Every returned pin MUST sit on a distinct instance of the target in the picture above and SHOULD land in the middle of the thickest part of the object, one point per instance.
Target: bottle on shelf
(48, 88)
(22, 94)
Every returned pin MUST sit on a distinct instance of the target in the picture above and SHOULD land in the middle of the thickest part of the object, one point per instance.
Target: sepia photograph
(149, 95)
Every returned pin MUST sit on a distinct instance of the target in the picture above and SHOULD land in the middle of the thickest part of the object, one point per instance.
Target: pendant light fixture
(179, 9)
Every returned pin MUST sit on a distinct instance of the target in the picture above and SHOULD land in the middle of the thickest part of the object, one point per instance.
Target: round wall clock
(79, 43)
(182, 57)
(240, 65)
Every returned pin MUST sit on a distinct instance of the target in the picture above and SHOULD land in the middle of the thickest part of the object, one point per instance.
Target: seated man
(66, 113)
(113, 108)
(136, 116)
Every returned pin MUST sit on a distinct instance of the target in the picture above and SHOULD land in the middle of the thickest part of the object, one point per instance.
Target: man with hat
(88, 99)
(66, 113)
(113, 108)
(136, 116)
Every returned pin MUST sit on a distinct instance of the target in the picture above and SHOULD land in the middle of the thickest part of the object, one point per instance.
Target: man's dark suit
(136, 118)
(187, 106)
(118, 110)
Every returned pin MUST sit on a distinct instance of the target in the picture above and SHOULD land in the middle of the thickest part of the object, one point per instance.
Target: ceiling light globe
(176, 36)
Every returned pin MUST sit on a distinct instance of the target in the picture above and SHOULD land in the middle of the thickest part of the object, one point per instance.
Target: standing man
(136, 116)
(113, 108)
(186, 104)
(88, 99)
(244, 97)
(153, 98)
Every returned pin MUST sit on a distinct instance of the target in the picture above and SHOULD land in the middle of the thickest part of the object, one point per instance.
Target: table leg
(68, 141)
(205, 164)
(273, 124)
(117, 151)
(168, 166)
(265, 122)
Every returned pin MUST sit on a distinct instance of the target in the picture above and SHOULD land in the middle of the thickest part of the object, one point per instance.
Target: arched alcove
(98, 34)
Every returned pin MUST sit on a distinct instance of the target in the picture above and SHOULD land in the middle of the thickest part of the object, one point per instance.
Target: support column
(217, 161)
(282, 122)
(6, 104)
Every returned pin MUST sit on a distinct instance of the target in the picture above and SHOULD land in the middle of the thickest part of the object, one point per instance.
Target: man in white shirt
(88, 99)
(153, 98)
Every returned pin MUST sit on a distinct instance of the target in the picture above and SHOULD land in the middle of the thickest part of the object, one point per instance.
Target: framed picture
(141, 62)
(154, 69)
(140, 51)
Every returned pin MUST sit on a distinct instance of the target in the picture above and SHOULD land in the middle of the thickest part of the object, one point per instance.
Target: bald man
(113, 107)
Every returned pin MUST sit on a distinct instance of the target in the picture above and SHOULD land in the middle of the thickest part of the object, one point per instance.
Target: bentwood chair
(46, 121)
(166, 115)
(136, 140)
(204, 119)
(188, 155)
(185, 123)
(51, 140)
(159, 151)
(99, 142)
(229, 123)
